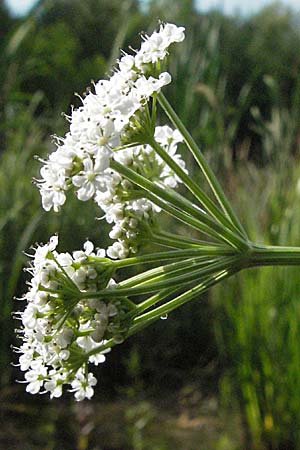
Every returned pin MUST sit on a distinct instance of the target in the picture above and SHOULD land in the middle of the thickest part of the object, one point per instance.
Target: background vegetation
(224, 372)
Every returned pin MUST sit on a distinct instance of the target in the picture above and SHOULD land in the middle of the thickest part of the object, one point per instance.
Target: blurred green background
(224, 372)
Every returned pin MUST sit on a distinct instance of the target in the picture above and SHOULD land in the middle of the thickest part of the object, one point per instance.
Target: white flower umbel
(155, 47)
(60, 326)
(110, 114)
(123, 203)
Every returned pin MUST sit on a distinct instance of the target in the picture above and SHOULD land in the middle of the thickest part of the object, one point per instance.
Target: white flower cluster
(60, 329)
(122, 203)
(82, 158)
(155, 47)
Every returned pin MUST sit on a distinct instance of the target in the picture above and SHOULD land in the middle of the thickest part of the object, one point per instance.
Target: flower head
(62, 325)
(155, 47)
(97, 126)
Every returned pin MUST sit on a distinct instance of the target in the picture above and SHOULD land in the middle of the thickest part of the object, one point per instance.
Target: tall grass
(258, 312)
(19, 215)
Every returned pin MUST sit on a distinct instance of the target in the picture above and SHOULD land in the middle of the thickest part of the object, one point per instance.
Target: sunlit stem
(170, 280)
(153, 300)
(191, 294)
(194, 272)
(269, 255)
(189, 240)
(129, 286)
(259, 256)
(180, 276)
(142, 321)
(206, 170)
(198, 250)
(178, 241)
(164, 270)
(170, 242)
(193, 187)
(221, 234)
(175, 205)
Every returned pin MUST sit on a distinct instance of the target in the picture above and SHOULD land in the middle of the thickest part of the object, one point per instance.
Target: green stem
(192, 186)
(148, 318)
(204, 223)
(274, 255)
(166, 269)
(258, 256)
(169, 241)
(183, 275)
(169, 255)
(150, 187)
(204, 250)
(141, 307)
(186, 218)
(182, 239)
(181, 242)
(192, 241)
(170, 280)
(208, 173)
(108, 344)
(184, 298)
(160, 296)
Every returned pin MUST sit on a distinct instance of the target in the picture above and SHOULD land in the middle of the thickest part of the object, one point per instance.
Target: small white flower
(117, 251)
(126, 63)
(83, 386)
(30, 316)
(166, 135)
(52, 198)
(26, 359)
(54, 387)
(90, 179)
(64, 337)
(172, 33)
(155, 47)
(35, 378)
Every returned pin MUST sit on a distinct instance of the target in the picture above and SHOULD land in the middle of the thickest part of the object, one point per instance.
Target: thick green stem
(223, 236)
(175, 200)
(175, 240)
(208, 173)
(179, 242)
(273, 256)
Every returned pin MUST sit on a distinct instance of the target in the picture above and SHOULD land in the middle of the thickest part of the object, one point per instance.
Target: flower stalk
(181, 209)
(202, 163)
